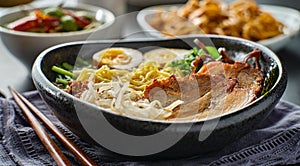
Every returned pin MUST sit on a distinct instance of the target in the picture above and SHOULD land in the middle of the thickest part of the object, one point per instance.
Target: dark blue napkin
(275, 142)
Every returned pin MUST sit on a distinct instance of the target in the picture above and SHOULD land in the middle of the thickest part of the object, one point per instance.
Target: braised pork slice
(169, 90)
(216, 88)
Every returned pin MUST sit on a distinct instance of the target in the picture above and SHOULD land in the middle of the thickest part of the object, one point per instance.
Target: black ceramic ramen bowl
(136, 137)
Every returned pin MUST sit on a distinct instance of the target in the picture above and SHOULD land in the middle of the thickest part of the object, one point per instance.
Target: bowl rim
(36, 69)
(109, 18)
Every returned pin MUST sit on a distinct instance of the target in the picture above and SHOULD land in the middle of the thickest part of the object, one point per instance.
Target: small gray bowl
(26, 46)
(143, 138)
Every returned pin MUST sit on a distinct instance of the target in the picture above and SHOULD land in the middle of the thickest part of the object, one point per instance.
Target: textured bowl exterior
(26, 46)
(229, 128)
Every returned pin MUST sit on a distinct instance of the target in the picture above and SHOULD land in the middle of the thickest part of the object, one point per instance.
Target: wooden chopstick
(79, 153)
(50, 145)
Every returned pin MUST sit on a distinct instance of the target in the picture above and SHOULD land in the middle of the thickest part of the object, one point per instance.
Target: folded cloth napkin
(275, 142)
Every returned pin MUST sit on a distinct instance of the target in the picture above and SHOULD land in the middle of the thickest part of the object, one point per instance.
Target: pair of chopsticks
(28, 109)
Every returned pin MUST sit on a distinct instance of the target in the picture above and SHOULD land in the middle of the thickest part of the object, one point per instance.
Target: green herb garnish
(184, 65)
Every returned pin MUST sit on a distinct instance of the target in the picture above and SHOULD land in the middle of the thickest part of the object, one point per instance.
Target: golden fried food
(241, 18)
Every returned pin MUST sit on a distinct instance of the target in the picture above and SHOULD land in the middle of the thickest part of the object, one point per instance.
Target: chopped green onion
(62, 81)
(213, 52)
(82, 62)
(67, 66)
(62, 71)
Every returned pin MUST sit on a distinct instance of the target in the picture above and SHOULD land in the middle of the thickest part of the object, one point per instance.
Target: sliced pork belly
(216, 88)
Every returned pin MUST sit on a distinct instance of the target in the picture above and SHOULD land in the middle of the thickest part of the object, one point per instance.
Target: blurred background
(123, 6)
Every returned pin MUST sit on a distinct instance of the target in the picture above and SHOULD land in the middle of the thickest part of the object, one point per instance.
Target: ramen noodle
(211, 87)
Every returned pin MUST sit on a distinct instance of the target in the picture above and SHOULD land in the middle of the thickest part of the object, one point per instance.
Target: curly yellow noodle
(103, 74)
(145, 74)
(139, 78)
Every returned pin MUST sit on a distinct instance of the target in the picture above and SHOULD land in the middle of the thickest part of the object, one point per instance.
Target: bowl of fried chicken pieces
(270, 25)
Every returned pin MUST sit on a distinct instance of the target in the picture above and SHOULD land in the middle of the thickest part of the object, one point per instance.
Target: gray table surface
(14, 73)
